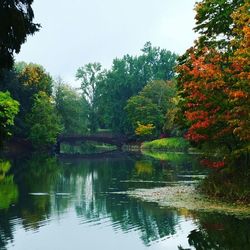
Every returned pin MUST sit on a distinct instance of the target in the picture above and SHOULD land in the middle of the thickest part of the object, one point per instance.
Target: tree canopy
(72, 108)
(8, 109)
(213, 82)
(16, 18)
(151, 105)
(127, 77)
(43, 122)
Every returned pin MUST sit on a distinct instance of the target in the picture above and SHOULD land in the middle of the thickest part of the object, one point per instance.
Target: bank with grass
(175, 144)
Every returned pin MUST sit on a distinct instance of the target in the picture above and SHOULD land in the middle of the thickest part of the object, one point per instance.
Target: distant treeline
(135, 92)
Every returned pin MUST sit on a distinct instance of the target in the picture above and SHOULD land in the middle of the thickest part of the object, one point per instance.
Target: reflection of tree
(8, 196)
(90, 180)
(41, 174)
(177, 160)
(170, 168)
(144, 168)
(220, 232)
(6, 230)
(91, 185)
(8, 189)
(8, 192)
(38, 173)
(4, 168)
(152, 222)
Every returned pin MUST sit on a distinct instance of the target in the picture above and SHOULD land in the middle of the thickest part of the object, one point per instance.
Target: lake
(80, 203)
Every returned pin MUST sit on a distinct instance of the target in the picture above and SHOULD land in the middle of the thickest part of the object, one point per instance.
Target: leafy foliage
(72, 108)
(144, 130)
(90, 76)
(214, 22)
(8, 110)
(143, 110)
(213, 83)
(128, 76)
(43, 122)
(24, 82)
(151, 105)
(16, 18)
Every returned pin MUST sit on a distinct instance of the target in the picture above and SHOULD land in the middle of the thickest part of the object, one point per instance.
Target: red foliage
(212, 164)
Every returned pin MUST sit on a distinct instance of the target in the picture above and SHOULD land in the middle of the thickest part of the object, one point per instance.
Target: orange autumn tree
(205, 106)
(213, 82)
(239, 89)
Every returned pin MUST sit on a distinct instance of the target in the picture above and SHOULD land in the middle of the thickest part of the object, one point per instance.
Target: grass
(177, 144)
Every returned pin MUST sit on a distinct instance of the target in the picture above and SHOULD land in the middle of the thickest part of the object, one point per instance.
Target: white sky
(77, 32)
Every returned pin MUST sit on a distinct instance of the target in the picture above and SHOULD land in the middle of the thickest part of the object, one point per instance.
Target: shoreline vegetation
(219, 191)
(172, 144)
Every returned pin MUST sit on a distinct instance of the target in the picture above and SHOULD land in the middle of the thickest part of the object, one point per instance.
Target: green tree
(90, 76)
(43, 122)
(142, 110)
(151, 105)
(32, 78)
(72, 108)
(23, 82)
(16, 18)
(8, 110)
(214, 22)
(127, 78)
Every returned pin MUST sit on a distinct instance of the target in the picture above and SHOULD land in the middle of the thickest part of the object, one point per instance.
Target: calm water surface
(64, 204)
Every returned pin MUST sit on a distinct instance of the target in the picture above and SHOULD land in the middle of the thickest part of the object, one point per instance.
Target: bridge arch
(118, 141)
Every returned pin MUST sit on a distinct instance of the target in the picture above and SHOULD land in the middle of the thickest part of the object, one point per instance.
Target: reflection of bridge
(117, 140)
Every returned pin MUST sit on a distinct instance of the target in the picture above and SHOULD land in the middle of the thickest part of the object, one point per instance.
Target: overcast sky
(77, 32)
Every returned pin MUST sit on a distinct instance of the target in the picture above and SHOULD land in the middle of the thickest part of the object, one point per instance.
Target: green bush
(168, 144)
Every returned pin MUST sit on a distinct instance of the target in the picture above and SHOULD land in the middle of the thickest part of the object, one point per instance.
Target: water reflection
(87, 194)
(215, 231)
(8, 189)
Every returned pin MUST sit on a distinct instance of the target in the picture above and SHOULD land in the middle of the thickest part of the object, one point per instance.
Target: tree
(142, 110)
(43, 122)
(72, 108)
(160, 92)
(239, 92)
(213, 82)
(214, 22)
(32, 79)
(90, 76)
(127, 77)
(205, 102)
(16, 18)
(8, 109)
(23, 82)
(151, 105)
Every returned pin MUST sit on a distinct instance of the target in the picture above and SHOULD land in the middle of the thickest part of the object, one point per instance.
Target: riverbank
(173, 144)
(188, 197)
